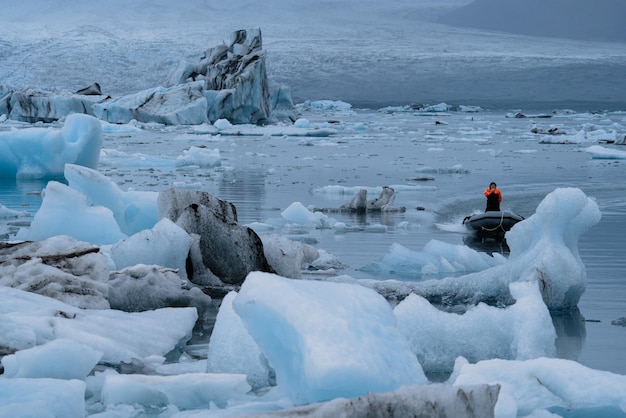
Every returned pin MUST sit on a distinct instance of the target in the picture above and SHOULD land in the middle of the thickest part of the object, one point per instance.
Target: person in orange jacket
(494, 197)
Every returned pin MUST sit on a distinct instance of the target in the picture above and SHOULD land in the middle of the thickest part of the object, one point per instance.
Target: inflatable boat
(492, 222)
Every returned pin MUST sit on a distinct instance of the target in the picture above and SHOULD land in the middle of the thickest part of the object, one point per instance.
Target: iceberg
(42, 397)
(229, 82)
(544, 249)
(37, 153)
(326, 340)
(57, 359)
(603, 153)
(28, 320)
(521, 331)
(546, 383)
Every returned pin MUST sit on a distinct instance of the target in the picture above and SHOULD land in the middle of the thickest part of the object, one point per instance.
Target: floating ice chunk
(6, 213)
(455, 169)
(579, 137)
(326, 340)
(302, 123)
(261, 227)
(120, 129)
(598, 135)
(133, 210)
(396, 109)
(437, 258)
(65, 211)
(28, 319)
(299, 214)
(542, 383)
(335, 105)
(143, 287)
(602, 153)
(43, 152)
(287, 257)
(42, 398)
(222, 124)
(166, 244)
(521, 331)
(438, 108)
(544, 247)
(119, 159)
(57, 359)
(229, 332)
(182, 104)
(59, 267)
(202, 157)
(185, 391)
(438, 400)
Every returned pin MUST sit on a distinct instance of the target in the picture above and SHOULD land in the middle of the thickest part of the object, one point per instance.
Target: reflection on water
(570, 334)
(487, 245)
(22, 195)
(363, 220)
(245, 188)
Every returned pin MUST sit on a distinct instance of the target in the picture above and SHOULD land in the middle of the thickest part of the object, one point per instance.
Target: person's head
(492, 186)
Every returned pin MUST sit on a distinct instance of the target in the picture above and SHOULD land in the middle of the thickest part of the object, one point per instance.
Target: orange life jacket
(496, 191)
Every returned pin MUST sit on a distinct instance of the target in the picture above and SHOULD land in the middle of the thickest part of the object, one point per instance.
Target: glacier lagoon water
(438, 164)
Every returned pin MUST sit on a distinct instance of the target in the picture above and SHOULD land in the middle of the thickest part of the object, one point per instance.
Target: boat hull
(492, 222)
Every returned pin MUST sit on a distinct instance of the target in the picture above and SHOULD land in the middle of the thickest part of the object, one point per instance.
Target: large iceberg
(36, 105)
(326, 340)
(229, 82)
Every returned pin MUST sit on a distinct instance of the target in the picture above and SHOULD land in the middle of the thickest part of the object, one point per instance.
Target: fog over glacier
(316, 266)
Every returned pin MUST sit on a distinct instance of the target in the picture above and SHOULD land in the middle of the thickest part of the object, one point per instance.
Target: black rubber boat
(492, 222)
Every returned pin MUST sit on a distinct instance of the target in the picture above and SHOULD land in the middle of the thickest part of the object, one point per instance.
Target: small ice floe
(436, 258)
(6, 213)
(312, 130)
(550, 131)
(602, 153)
(521, 115)
(579, 137)
(360, 204)
(199, 156)
(325, 105)
(455, 169)
(121, 128)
